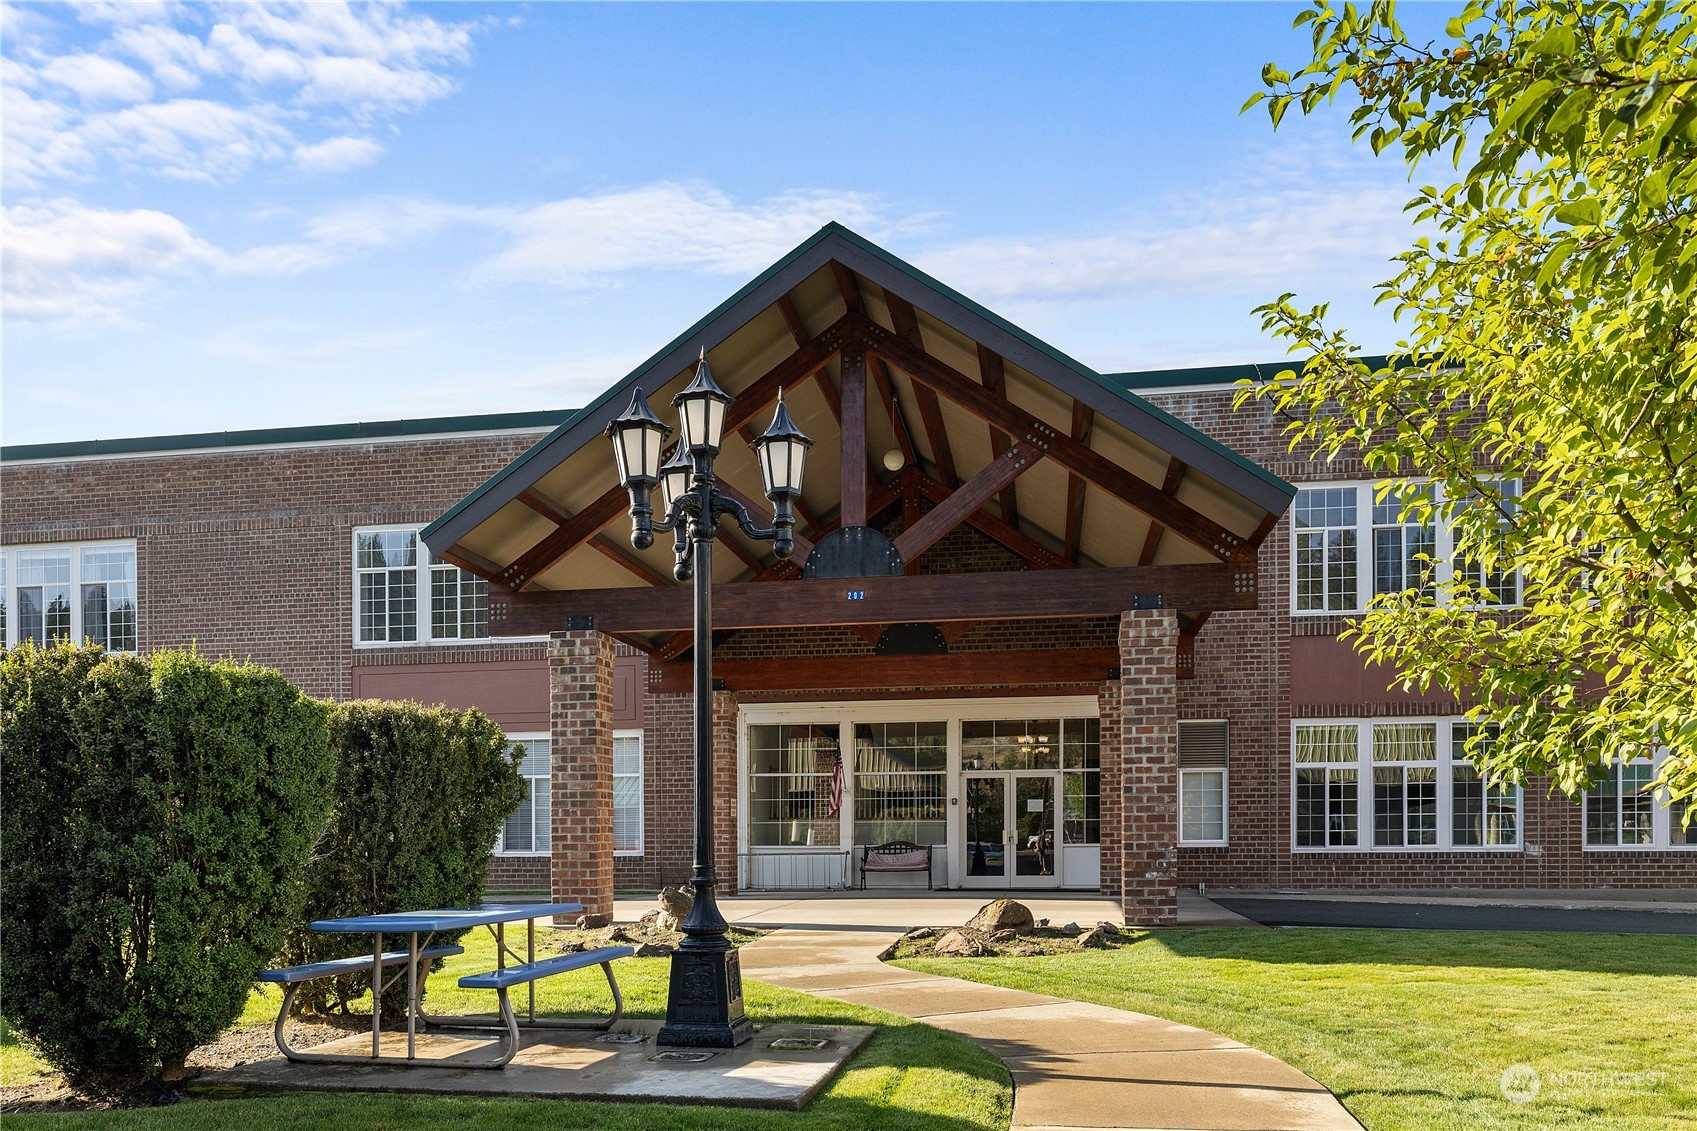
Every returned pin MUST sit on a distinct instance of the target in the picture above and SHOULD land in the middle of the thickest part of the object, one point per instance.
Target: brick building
(1105, 656)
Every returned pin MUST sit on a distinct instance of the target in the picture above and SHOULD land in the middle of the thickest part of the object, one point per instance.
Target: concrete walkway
(1074, 1065)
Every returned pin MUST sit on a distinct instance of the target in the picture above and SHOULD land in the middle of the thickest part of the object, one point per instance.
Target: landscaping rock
(1001, 937)
(674, 907)
(1094, 937)
(1002, 915)
(1072, 929)
(649, 921)
(1108, 928)
(1025, 951)
(958, 944)
(653, 950)
(919, 933)
(593, 922)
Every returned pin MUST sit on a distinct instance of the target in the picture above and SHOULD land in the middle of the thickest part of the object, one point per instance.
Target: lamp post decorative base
(704, 1004)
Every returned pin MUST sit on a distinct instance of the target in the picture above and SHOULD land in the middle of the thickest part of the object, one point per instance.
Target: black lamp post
(704, 1003)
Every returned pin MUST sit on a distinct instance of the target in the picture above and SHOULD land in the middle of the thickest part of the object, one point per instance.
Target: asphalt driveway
(1294, 912)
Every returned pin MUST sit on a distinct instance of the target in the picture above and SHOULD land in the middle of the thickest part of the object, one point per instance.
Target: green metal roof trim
(867, 258)
(1214, 374)
(309, 434)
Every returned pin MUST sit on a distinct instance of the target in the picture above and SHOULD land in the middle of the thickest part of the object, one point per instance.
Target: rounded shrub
(158, 814)
(420, 796)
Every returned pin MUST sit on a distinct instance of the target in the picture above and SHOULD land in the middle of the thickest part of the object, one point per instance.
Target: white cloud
(66, 262)
(96, 79)
(337, 154)
(272, 81)
(1263, 241)
(579, 240)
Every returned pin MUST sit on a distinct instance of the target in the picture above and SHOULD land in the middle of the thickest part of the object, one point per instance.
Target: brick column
(1148, 731)
(727, 791)
(580, 699)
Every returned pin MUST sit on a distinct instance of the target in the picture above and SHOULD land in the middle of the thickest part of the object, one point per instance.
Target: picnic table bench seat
(505, 978)
(897, 856)
(294, 977)
(359, 964)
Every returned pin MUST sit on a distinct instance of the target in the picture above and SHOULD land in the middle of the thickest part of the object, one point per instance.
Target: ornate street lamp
(704, 1003)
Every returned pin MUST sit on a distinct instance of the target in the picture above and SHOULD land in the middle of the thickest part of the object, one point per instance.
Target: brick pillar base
(1148, 731)
(580, 694)
(727, 792)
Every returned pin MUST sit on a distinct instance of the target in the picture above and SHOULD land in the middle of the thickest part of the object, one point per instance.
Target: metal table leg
(377, 997)
(530, 957)
(412, 994)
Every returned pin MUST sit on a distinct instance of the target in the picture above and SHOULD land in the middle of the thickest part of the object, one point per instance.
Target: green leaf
(1584, 212)
(1557, 41)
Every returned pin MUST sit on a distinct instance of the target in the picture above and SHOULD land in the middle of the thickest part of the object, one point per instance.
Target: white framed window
(526, 831)
(627, 793)
(69, 591)
(1622, 811)
(402, 595)
(1405, 784)
(1411, 777)
(1349, 545)
(1202, 781)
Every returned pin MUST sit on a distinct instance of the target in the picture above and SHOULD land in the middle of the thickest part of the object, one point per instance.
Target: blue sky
(224, 217)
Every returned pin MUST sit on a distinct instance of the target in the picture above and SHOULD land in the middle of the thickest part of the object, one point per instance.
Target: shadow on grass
(1643, 955)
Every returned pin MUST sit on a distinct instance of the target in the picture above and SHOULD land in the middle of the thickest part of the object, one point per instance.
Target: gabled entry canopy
(918, 398)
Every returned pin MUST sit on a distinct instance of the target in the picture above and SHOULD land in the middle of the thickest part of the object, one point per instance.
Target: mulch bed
(237, 1046)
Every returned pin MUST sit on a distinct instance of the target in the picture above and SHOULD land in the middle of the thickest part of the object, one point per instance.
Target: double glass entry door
(1010, 830)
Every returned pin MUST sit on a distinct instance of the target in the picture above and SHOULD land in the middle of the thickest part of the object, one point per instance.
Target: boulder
(653, 950)
(1001, 937)
(593, 922)
(1072, 929)
(649, 921)
(1003, 915)
(958, 944)
(919, 933)
(1094, 937)
(674, 907)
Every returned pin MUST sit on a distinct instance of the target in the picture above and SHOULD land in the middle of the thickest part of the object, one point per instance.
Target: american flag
(836, 797)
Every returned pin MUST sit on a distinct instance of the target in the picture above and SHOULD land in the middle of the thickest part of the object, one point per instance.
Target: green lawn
(1414, 1029)
(909, 1077)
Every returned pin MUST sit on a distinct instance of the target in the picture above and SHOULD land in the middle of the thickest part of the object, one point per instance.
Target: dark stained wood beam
(470, 562)
(854, 438)
(1187, 645)
(953, 630)
(799, 366)
(1083, 422)
(792, 319)
(892, 409)
(930, 412)
(965, 499)
(849, 288)
(1034, 552)
(993, 373)
(1169, 486)
(958, 669)
(871, 633)
(1189, 524)
(886, 600)
(883, 496)
(560, 516)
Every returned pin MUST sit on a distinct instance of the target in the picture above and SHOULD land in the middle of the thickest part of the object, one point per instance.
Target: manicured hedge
(158, 815)
(421, 794)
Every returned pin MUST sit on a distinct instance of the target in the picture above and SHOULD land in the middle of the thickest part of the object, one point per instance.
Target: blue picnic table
(419, 926)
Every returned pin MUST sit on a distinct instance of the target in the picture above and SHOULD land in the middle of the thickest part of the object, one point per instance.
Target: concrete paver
(1074, 1065)
(565, 1064)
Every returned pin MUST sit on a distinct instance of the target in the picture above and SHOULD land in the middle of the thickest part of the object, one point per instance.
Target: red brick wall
(1245, 674)
(1148, 762)
(580, 685)
(248, 554)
